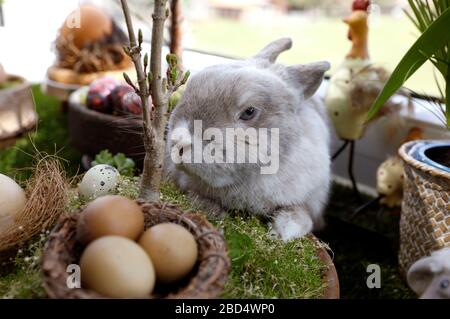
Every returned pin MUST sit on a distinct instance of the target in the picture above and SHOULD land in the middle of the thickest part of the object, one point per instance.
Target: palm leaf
(433, 39)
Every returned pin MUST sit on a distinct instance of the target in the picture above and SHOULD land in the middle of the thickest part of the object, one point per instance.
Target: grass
(20, 275)
(318, 38)
(280, 275)
(261, 267)
(264, 267)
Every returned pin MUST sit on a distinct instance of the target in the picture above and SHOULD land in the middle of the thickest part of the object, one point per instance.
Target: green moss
(262, 267)
(251, 248)
(20, 275)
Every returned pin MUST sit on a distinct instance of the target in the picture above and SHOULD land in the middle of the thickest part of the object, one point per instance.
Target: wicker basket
(91, 132)
(425, 218)
(206, 281)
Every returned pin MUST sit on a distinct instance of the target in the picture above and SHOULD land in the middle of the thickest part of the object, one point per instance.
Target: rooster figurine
(355, 85)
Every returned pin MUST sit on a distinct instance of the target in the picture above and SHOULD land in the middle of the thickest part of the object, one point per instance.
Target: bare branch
(134, 52)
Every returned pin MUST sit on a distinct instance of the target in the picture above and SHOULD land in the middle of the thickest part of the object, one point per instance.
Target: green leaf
(124, 165)
(140, 37)
(436, 36)
(174, 75)
(145, 60)
(186, 77)
(127, 79)
(104, 157)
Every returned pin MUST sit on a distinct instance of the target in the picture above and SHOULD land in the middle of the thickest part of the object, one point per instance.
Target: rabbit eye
(445, 284)
(248, 114)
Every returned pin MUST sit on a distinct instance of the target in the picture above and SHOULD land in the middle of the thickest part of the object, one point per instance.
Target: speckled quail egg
(100, 180)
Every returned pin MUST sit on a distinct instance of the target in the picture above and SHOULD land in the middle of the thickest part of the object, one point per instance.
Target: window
(228, 27)
(240, 28)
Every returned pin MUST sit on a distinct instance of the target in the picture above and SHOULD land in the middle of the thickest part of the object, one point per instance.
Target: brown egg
(172, 249)
(110, 215)
(117, 267)
(90, 25)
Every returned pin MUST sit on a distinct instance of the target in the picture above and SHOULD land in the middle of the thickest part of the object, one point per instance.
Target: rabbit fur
(282, 97)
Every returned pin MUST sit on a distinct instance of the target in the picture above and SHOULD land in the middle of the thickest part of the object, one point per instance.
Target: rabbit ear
(421, 274)
(308, 77)
(271, 51)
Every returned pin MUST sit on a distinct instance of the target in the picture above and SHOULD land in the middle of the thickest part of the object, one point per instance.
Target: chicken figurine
(355, 85)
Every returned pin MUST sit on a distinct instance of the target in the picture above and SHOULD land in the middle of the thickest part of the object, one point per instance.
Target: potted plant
(425, 220)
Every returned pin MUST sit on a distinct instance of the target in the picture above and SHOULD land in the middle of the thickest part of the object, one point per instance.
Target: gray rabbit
(429, 277)
(283, 173)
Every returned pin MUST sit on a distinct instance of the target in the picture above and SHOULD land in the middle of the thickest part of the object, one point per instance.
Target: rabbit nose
(183, 149)
(181, 144)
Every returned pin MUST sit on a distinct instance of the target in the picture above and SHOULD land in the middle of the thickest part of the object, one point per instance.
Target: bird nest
(105, 54)
(206, 280)
(46, 199)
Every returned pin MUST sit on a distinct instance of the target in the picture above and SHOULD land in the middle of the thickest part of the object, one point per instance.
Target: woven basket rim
(23, 85)
(202, 284)
(131, 122)
(403, 152)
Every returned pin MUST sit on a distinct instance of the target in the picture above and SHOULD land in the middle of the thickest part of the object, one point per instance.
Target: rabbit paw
(208, 205)
(292, 224)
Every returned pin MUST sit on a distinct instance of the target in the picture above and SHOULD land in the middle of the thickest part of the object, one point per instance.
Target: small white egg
(12, 200)
(100, 180)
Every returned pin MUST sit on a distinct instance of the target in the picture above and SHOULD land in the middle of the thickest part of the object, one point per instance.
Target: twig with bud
(152, 84)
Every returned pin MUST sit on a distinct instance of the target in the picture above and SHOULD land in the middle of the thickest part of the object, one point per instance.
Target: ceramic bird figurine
(357, 82)
(390, 174)
(355, 85)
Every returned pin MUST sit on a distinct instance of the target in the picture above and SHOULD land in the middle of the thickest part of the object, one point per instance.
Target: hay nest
(46, 200)
(104, 54)
(205, 281)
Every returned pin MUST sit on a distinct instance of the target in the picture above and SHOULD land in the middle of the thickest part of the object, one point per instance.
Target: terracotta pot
(91, 132)
(17, 111)
(332, 290)
(425, 218)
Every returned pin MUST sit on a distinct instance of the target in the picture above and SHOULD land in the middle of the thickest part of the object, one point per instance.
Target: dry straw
(46, 200)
